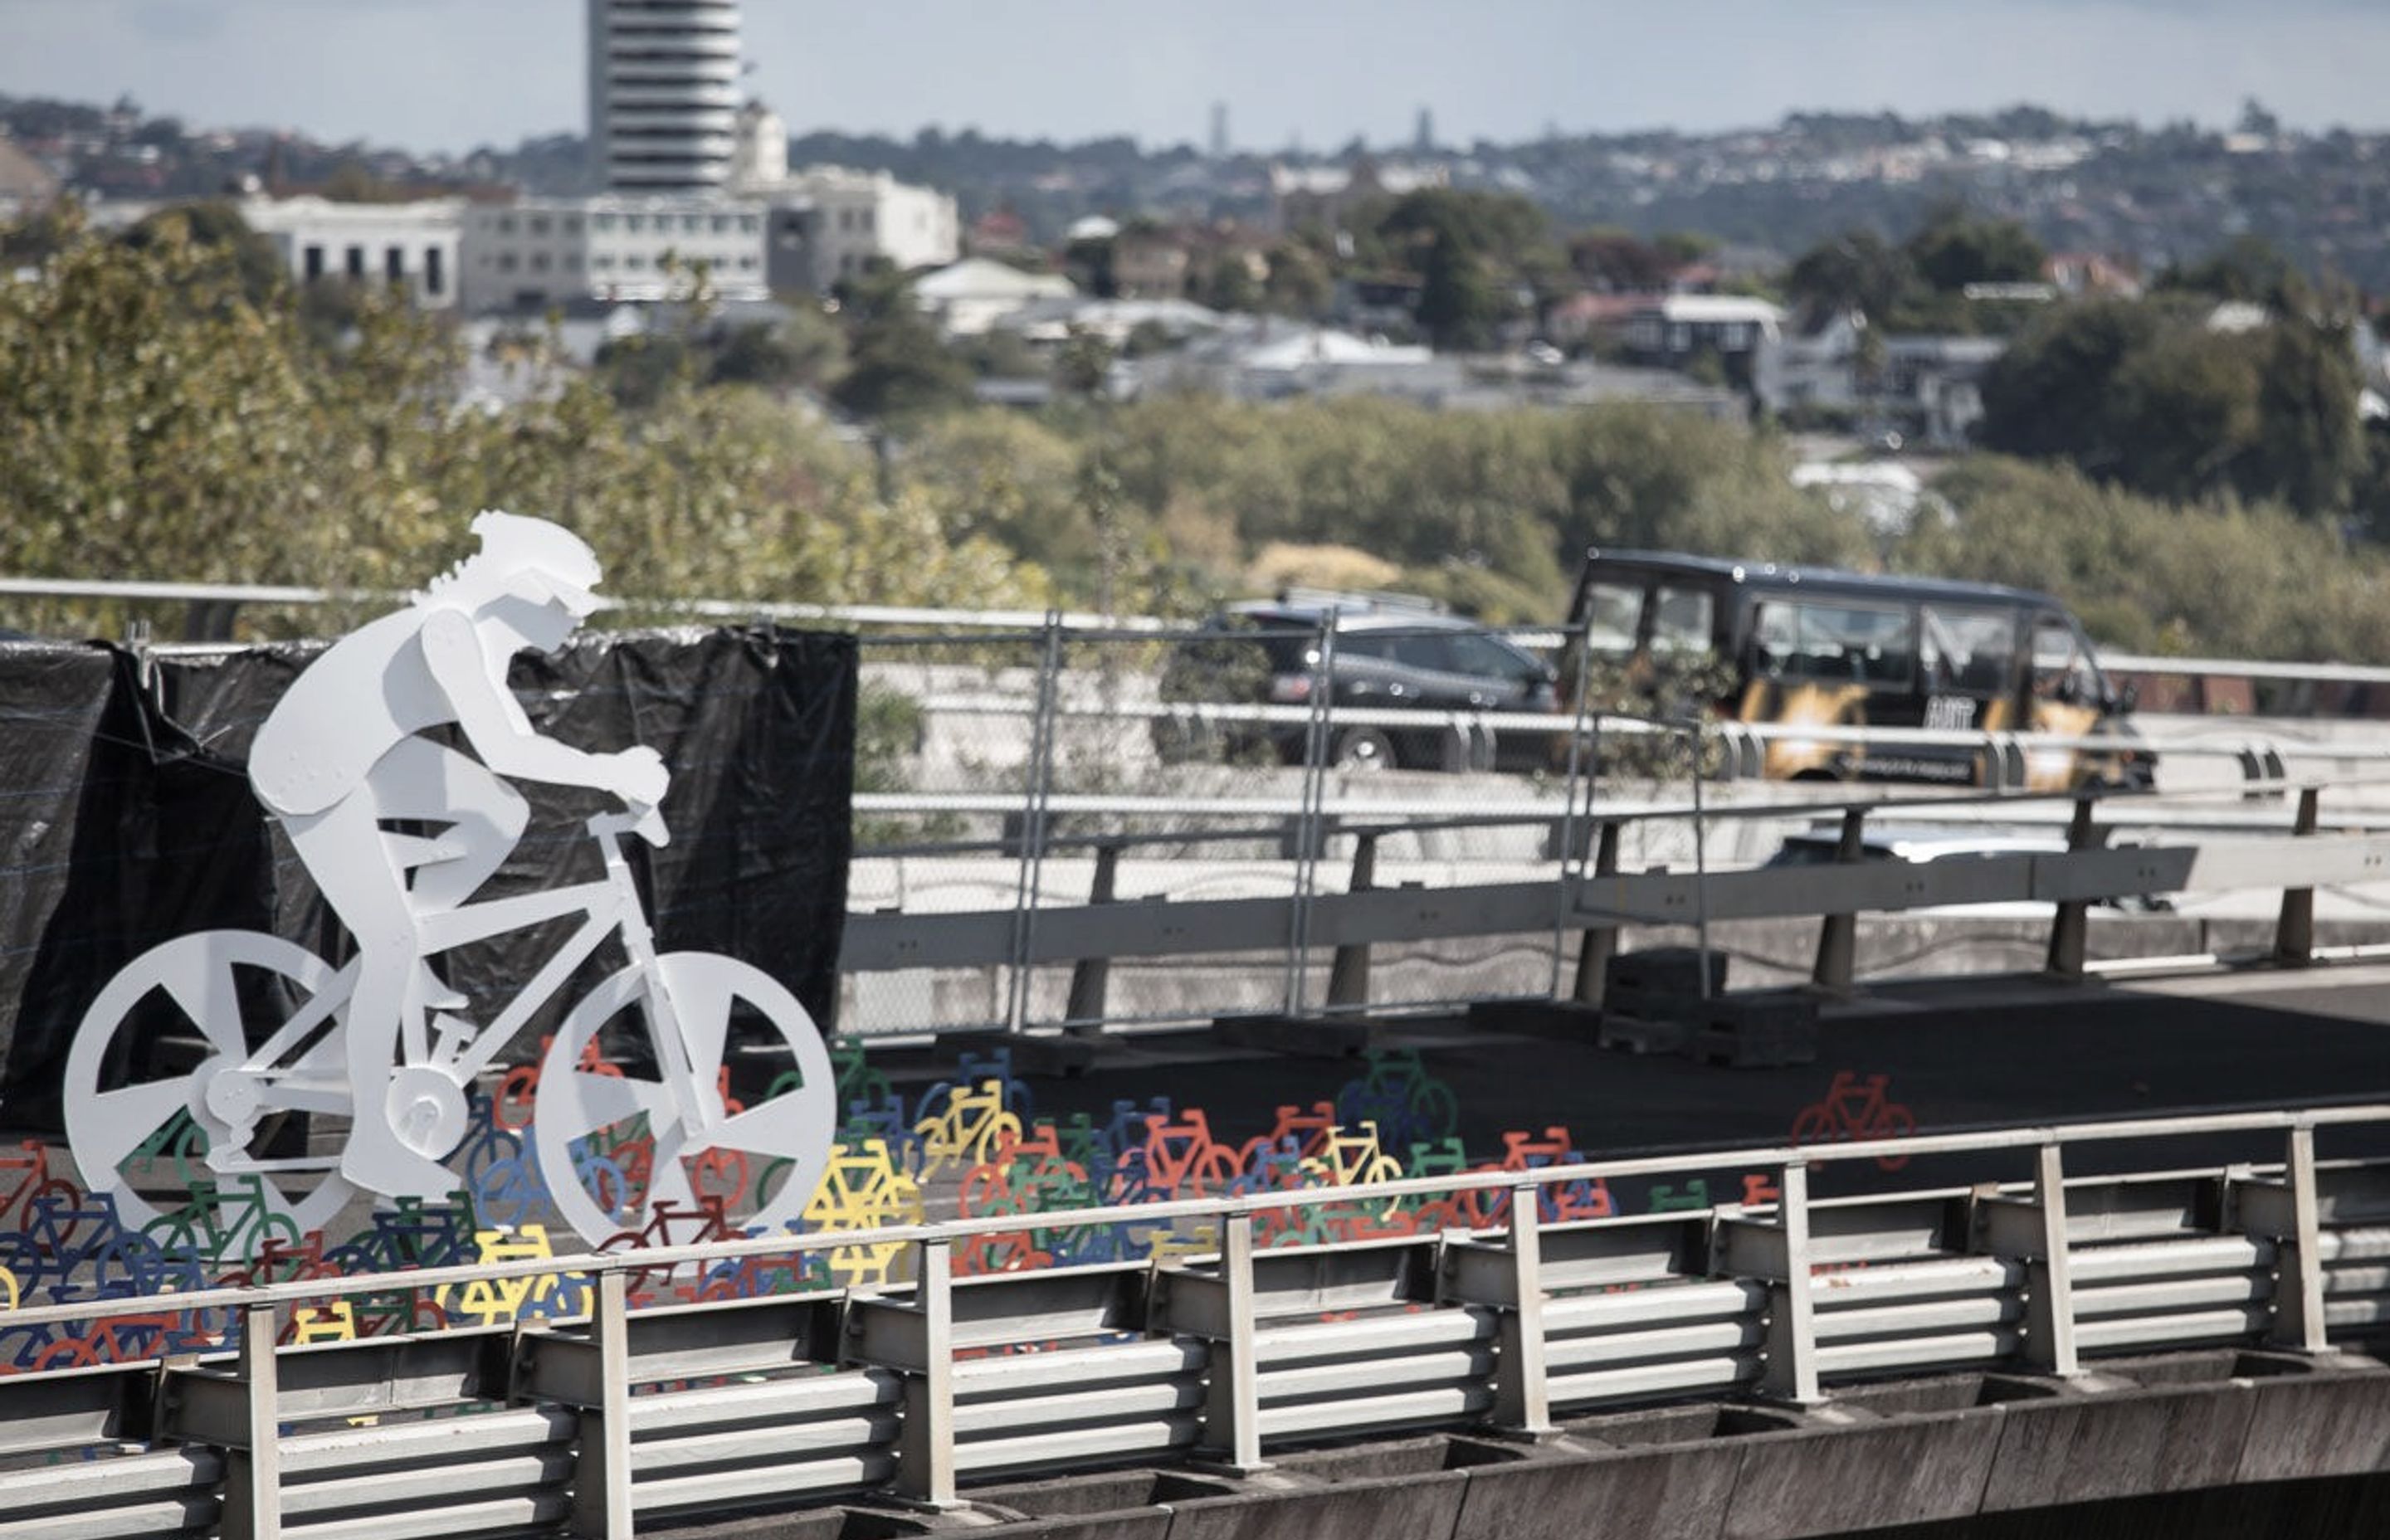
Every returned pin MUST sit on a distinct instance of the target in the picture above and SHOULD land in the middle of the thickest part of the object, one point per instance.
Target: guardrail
(1479, 1312)
(1472, 739)
(1593, 897)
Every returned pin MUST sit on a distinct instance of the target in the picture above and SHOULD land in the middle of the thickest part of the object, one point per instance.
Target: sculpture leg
(343, 850)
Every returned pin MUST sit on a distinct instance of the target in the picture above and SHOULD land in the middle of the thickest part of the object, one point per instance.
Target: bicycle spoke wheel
(214, 992)
(729, 1013)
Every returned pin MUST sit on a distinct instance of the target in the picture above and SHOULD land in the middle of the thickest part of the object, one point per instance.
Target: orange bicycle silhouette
(1856, 1109)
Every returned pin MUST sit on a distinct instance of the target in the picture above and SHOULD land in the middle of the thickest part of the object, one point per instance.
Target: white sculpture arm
(502, 737)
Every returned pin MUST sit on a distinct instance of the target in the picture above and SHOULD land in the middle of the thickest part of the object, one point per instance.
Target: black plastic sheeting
(126, 818)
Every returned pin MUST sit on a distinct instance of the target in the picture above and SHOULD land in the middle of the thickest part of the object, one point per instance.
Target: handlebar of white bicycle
(647, 823)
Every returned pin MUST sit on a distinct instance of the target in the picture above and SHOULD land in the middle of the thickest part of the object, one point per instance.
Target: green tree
(1458, 305)
(237, 449)
(1955, 248)
(803, 349)
(2050, 393)
(2248, 268)
(1858, 270)
(1299, 281)
(1083, 364)
(1230, 285)
(1613, 260)
(2309, 447)
(217, 224)
(898, 366)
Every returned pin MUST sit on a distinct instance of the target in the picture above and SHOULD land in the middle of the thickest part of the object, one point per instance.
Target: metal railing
(1481, 1312)
(1588, 889)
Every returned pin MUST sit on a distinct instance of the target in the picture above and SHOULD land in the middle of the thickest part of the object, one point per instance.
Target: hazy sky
(449, 74)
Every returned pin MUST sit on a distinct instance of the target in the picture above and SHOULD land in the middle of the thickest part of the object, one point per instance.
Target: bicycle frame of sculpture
(382, 1042)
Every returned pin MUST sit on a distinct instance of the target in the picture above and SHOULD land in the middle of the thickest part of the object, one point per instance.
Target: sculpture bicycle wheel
(129, 1117)
(727, 1011)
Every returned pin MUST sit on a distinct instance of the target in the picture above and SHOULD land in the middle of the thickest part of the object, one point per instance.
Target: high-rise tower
(663, 93)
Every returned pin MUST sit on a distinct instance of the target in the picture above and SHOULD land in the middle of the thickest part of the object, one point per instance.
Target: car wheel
(1363, 749)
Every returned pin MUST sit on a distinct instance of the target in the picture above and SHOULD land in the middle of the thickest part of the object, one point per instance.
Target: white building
(542, 252)
(663, 93)
(409, 246)
(828, 223)
(973, 294)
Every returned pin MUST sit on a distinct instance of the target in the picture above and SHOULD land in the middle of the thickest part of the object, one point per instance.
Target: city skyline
(447, 76)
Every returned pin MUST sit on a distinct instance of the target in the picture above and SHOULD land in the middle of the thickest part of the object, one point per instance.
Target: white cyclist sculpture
(380, 1043)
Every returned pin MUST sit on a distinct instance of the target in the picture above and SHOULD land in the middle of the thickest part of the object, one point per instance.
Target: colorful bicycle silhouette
(697, 1010)
(1856, 1109)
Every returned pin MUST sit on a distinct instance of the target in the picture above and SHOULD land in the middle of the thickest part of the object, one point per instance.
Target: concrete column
(2295, 931)
(2069, 930)
(1348, 976)
(1838, 934)
(1600, 943)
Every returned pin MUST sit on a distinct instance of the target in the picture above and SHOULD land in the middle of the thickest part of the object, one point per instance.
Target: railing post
(925, 1461)
(1792, 1316)
(1232, 1405)
(1838, 934)
(2299, 1321)
(253, 1473)
(2070, 928)
(1091, 977)
(1584, 770)
(1348, 975)
(1521, 1403)
(1310, 833)
(1027, 895)
(2295, 931)
(1600, 941)
(1701, 864)
(601, 1484)
(2049, 1323)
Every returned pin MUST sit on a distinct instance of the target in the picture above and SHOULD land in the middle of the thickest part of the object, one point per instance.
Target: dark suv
(1391, 654)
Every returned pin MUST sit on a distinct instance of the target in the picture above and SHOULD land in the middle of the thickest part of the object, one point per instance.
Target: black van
(1810, 645)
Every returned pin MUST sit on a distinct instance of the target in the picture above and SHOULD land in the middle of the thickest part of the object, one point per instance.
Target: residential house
(1054, 319)
(998, 232)
(2081, 273)
(1926, 387)
(967, 297)
(1671, 331)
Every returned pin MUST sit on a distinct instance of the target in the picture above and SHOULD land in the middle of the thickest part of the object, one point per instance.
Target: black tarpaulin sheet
(128, 818)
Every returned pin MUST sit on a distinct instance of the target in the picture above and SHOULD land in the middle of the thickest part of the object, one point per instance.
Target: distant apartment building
(611, 249)
(410, 247)
(828, 223)
(1320, 196)
(664, 93)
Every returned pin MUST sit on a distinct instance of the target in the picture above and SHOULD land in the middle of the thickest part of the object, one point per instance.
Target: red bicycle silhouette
(1856, 1109)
